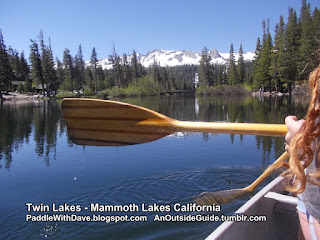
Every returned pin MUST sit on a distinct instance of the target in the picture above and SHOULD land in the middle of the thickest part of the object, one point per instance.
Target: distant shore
(14, 98)
(267, 94)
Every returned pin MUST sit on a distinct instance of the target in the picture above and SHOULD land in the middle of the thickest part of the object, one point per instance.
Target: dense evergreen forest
(281, 62)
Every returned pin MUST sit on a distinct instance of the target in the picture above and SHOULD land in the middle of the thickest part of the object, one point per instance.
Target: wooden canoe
(273, 202)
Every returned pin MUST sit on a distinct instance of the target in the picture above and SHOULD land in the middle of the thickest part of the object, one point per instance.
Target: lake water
(39, 165)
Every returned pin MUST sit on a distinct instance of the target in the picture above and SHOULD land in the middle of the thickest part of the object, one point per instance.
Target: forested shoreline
(281, 61)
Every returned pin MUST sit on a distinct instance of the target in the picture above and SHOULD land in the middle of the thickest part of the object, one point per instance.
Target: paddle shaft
(220, 127)
(111, 123)
(277, 164)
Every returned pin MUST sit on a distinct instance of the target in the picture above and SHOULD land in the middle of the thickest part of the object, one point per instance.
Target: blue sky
(140, 25)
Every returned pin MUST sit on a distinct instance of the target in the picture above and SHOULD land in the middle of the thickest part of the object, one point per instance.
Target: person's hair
(303, 146)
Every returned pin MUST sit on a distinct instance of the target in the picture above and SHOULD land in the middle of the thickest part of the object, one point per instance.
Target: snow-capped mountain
(174, 58)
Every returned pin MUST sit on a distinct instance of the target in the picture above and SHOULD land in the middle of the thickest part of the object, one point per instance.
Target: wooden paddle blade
(109, 123)
(220, 197)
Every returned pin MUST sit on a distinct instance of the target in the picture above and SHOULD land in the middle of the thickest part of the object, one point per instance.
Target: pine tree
(273, 71)
(220, 75)
(60, 73)
(165, 78)
(100, 78)
(68, 70)
(256, 66)
(90, 85)
(306, 41)
(35, 60)
(52, 72)
(11, 54)
(266, 61)
(279, 56)
(316, 29)
(25, 70)
(80, 68)
(118, 72)
(46, 64)
(117, 68)
(241, 66)
(6, 74)
(94, 66)
(265, 56)
(205, 69)
(154, 71)
(249, 73)
(18, 66)
(14, 61)
(262, 64)
(315, 21)
(258, 49)
(76, 72)
(232, 71)
(126, 71)
(292, 35)
(134, 67)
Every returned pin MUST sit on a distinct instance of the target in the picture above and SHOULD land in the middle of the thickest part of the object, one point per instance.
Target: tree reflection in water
(22, 120)
(42, 120)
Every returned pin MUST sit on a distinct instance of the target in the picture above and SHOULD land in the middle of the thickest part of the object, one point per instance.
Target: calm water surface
(39, 165)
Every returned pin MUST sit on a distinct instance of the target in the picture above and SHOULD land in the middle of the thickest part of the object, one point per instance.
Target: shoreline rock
(268, 94)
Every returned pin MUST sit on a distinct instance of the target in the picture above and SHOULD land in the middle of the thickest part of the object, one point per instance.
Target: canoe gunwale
(270, 208)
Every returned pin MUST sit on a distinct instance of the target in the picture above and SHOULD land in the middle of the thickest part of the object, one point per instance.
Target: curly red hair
(303, 146)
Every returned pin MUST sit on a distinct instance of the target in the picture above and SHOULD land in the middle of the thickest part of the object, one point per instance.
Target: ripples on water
(177, 187)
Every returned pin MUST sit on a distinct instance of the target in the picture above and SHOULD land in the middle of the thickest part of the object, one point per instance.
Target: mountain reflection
(41, 122)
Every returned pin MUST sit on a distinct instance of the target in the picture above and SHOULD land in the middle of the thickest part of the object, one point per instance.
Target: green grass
(66, 95)
(145, 86)
(236, 90)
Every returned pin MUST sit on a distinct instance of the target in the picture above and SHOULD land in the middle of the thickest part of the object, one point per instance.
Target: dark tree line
(279, 62)
(233, 73)
(290, 57)
(12, 66)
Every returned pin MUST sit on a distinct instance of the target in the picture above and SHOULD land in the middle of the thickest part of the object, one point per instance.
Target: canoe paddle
(111, 123)
(225, 196)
